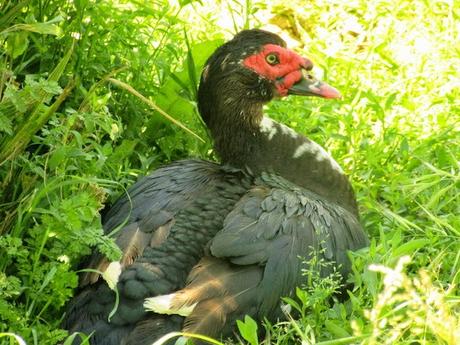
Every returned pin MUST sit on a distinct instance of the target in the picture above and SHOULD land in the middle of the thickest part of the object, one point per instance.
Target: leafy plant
(248, 330)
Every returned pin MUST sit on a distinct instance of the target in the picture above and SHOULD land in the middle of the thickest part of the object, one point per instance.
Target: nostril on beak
(308, 65)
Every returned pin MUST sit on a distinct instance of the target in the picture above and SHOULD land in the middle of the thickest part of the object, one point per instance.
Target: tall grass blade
(131, 90)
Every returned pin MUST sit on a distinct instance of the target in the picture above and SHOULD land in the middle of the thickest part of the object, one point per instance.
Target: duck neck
(244, 138)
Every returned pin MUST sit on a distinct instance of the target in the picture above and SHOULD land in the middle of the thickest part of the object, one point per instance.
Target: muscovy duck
(204, 243)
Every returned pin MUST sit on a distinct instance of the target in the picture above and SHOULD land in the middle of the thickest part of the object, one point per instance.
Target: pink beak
(312, 87)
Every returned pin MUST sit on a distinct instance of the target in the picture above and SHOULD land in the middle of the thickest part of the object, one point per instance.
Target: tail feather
(218, 293)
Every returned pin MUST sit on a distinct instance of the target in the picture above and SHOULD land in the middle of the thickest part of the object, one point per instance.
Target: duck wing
(162, 226)
(257, 256)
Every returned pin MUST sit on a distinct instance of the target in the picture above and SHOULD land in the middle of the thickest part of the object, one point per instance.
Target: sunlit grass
(413, 309)
(397, 133)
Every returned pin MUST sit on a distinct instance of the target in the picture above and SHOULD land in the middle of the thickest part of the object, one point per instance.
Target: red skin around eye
(289, 67)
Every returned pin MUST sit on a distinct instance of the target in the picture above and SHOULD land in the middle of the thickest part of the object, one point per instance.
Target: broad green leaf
(47, 28)
(335, 329)
(17, 44)
(410, 247)
(248, 330)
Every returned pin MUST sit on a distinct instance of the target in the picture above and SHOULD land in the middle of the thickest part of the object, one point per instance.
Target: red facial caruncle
(282, 66)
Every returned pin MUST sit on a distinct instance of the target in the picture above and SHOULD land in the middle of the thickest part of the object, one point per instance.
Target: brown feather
(161, 234)
(98, 263)
(132, 242)
(205, 281)
(221, 290)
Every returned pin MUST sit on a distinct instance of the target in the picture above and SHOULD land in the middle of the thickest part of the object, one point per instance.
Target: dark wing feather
(146, 212)
(276, 223)
(257, 254)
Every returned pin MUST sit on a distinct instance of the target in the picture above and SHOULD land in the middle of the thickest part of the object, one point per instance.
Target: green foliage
(66, 135)
(76, 130)
(248, 330)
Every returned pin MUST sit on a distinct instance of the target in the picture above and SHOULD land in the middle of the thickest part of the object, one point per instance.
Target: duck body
(204, 243)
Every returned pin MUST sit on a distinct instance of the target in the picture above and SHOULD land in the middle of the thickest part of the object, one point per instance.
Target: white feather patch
(164, 305)
(112, 273)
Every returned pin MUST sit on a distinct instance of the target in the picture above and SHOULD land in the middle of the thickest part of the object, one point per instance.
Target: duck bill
(312, 87)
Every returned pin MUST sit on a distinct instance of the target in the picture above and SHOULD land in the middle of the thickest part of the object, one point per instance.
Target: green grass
(72, 138)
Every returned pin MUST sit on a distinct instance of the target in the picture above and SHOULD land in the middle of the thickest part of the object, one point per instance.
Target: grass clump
(412, 309)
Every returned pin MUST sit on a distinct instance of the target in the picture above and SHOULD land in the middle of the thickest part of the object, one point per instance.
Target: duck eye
(272, 59)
